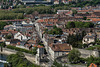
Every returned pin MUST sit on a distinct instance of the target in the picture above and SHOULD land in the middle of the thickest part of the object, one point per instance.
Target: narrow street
(49, 64)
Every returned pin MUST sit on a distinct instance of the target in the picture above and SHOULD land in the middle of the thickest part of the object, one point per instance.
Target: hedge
(20, 49)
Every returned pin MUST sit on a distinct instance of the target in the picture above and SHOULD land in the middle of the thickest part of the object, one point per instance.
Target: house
(89, 38)
(5, 33)
(27, 22)
(23, 22)
(56, 2)
(2, 39)
(20, 36)
(56, 50)
(46, 16)
(95, 20)
(33, 41)
(64, 1)
(12, 42)
(22, 44)
(97, 31)
(27, 46)
(8, 27)
(39, 55)
(62, 11)
(22, 26)
(7, 42)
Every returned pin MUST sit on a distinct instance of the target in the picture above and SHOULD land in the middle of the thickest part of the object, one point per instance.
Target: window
(87, 39)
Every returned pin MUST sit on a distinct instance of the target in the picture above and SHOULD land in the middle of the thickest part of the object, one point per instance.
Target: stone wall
(88, 53)
(7, 51)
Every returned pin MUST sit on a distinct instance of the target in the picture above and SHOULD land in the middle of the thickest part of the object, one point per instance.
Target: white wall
(20, 36)
(7, 43)
(87, 41)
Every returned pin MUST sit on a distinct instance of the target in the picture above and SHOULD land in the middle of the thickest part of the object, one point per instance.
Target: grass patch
(90, 48)
(94, 47)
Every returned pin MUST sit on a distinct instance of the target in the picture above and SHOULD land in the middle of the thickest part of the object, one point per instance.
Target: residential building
(89, 38)
(56, 50)
(20, 36)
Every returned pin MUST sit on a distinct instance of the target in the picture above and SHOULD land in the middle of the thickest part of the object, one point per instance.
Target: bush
(2, 44)
(21, 49)
(19, 60)
(91, 48)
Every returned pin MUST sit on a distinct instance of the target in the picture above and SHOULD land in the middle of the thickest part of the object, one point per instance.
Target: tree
(84, 18)
(94, 60)
(2, 24)
(20, 54)
(21, 6)
(6, 65)
(35, 50)
(55, 31)
(8, 36)
(56, 64)
(70, 25)
(74, 56)
(79, 24)
(76, 24)
(74, 12)
(2, 44)
(76, 40)
(18, 60)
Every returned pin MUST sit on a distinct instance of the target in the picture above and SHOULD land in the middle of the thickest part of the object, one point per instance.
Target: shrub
(21, 49)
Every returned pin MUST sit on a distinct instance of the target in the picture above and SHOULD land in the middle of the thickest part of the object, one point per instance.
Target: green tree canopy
(2, 24)
(55, 31)
(18, 60)
(92, 59)
(74, 56)
(79, 25)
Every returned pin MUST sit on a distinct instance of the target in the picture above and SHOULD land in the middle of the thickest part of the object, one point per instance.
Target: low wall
(88, 53)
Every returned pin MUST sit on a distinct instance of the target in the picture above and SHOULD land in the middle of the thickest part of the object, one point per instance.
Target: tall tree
(74, 56)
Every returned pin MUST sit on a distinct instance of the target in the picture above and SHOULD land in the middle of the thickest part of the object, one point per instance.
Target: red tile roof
(69, 0)
(96, 10)
(34, 46)
(41, 20)
(48, 20)
(8, 26)
(38, 46)
(60, 47)
(18, 43)
(83, 10)
(9, 31)
(93, 65)
(95, 19)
